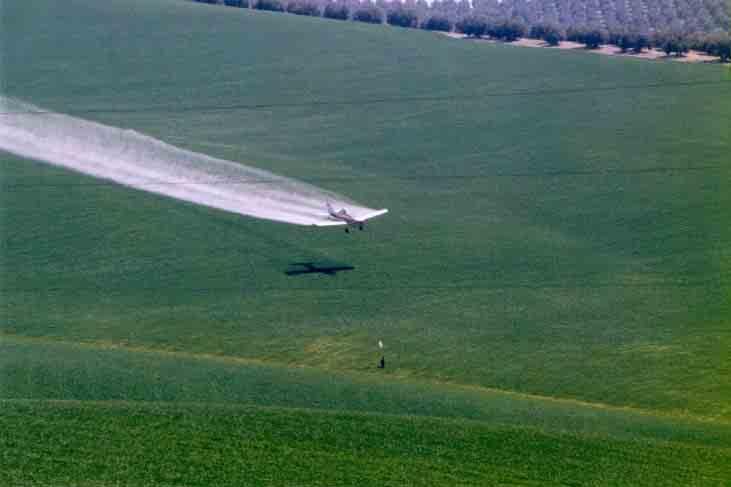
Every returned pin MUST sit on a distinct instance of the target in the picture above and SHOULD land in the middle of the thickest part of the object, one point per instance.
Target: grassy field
(271, 446)
(555, 266)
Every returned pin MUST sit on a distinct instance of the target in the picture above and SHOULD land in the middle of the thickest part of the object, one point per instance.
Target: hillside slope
(556, 257)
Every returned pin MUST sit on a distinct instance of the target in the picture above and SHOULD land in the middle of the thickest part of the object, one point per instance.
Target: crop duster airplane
(342, 217)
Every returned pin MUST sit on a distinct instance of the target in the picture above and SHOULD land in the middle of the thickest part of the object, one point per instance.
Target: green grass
(568, 245)
(103, 415)
(159, 444)
(509, 278)
(47, 370)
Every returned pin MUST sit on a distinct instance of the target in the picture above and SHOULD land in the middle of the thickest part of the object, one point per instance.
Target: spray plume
(132, 159)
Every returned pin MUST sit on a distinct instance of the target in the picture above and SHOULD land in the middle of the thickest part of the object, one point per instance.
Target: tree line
(492, 19)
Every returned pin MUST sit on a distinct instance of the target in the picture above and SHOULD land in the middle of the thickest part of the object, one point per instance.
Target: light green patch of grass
(44, 369)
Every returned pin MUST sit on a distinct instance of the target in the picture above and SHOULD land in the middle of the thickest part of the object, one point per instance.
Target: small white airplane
(342, 217)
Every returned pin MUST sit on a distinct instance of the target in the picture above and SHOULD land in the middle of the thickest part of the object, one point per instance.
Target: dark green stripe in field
(153, 444)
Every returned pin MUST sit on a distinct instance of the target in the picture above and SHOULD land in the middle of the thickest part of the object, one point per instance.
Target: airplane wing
(327, 222)
(372, 214)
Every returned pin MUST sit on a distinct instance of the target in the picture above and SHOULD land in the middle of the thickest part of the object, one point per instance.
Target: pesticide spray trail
(132, 159)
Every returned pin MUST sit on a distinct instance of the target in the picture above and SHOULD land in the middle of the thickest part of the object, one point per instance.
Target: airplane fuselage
(344, 216)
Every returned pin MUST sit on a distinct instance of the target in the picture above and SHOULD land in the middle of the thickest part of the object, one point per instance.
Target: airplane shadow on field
(313, 268)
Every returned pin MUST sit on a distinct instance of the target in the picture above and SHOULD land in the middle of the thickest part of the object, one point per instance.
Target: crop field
(551, 285)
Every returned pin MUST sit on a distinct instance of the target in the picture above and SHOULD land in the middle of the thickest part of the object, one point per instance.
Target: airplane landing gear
(361, 227)
(347, 230)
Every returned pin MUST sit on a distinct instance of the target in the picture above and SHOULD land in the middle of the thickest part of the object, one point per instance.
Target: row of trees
(474, 24)
(672, 43)
(504, 29)
(394, 13)
(643, 16)
(628, 40)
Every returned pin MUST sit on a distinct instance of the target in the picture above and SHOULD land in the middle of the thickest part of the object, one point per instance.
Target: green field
(319, 448)
(552, 284)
